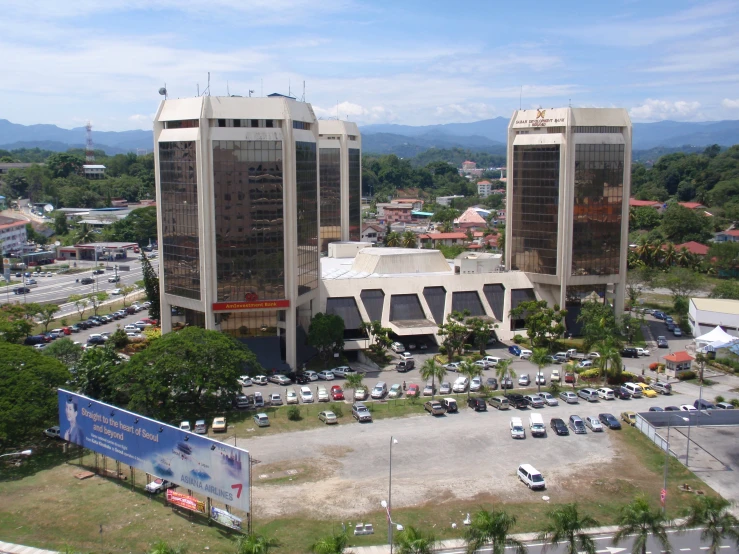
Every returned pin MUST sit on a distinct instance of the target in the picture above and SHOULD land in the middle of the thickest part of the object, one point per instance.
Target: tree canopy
(326, 334)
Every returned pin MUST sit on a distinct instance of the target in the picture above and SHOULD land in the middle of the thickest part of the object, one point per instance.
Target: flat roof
(718, 305)
(341, 268)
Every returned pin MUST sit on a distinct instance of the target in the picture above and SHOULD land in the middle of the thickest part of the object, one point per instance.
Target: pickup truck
(573, 354)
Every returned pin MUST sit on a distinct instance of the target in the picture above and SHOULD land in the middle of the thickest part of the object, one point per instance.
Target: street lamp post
(390, 524)
(388, 505)
(667, 457)
(21, 453)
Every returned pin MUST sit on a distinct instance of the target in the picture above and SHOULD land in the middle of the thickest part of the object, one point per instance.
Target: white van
(517, 430)
(531, 477)
(491, 360)
(536, 424)
(634, 389)
(379, 391)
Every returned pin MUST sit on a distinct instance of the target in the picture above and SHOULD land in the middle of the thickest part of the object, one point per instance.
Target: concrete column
(206, 224)
(344, 186)
(291, 351)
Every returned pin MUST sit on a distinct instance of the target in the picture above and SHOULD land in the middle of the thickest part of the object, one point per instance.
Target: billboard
(196, 462)
(184, 501)
(224, 518)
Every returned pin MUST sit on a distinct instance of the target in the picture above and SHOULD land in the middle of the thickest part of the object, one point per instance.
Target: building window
(596, 226)
(468, 300)
(495, 294)
(184, 124)
(179, 185)
(330, 196)
(596, 129)
(301, 125)
(406, 307)
(355, 193)
(248, 184)
(373, 300)
(352, 137)
(306, 180)
(535, 205)
(436, 300)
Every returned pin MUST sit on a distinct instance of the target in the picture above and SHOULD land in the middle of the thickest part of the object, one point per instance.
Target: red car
(152, 321)
(413, 391)
(337, 393)
(569, 377)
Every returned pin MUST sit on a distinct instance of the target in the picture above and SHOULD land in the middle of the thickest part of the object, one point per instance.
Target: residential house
(693, 247)
(394, 213)
(447, 239)
(415, 202)
(470, 219)
(373, 234)
(730, 235)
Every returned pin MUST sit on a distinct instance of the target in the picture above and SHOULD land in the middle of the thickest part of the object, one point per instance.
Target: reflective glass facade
(249, 324)
(248, 191)
(535, 207)
(599, 196)
(436, 299)
(373, 300)
(467, 302)
(405, 307)
(306, 174)
(355, 193)
(179, 194)
(330, 196)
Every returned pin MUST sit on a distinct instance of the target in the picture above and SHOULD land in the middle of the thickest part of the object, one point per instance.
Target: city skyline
(411, 63)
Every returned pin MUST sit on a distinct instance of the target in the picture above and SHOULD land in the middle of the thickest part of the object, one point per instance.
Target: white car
(475, 384)
(341, 371)
(642, 351)
(594, 423)
(445, 388)
(312, 375)
(525, 354)
(524, 380)
(397, 347)
(548, 399)
(306, 396)
(326, 375)
(593, 355)
(606, 394)
(482, 363)
(491, 360)
(322, 394)
(461, 384)
(291, 397)
(585, 363)
(244, 381)
(275, 399)
(116, 291)
(261, 419)
(159, 485)
(540, 379)
(687, 408)
(555, 376)
(185, 425)
(406, 355)
(131, 328)
(260, 380)
(396, 391)
(453, 366)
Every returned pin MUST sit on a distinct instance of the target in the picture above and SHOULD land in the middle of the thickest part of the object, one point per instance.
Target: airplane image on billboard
(204, 465)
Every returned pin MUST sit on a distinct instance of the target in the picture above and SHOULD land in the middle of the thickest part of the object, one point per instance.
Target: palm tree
(540, 358)
(414, 541)
(492, 527)
(503, 370)
(670, 255)
(353, 381)
(334, 543)
(409, 239)
(431, 370)
(637, 519)
(712, 515)
(611, 357)
(393, 239)
(161, 547)
(470, 370)
(254, 543)
(84, 234)
(568, 525)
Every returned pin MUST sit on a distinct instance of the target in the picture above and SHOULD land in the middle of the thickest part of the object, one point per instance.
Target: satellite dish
(57, 243)
(163, 91)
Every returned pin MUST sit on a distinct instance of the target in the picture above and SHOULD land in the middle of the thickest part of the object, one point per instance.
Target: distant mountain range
(488, 135)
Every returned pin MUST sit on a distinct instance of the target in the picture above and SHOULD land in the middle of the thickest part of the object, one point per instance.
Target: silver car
(568, 396)
(548, 399)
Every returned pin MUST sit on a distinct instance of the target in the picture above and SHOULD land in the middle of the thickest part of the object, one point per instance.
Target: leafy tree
(96, 299)
(393, 239)
(412, 540)
(254, 543)
(126, 291)
(543, 324)
(638, 521)
(470, 370)
(186, 371)
(330, 544)
(379, 336)
(60, 224)
(494, 528)
(644, 218)
(409, 240)
(47, 313)
(64, 350)
(726, 289)
(598, 323)
(724, 255)
(28, 398)
(431, 370)
(139, 226)
(326, 334)
(637, 281)
(568, 526)
(96, 374)
(80, 302)
(119, 338)
(682, 282)
(85, 234)
(454, 334)
(713, 516)
(540, 358)
(151, 285)
(33, 235)
(679, 224)
(63, 164)
(14, 325)
(482, 331)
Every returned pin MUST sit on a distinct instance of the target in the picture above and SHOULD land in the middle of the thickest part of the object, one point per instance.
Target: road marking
(685, 550)
(724, 547)
(704, 547)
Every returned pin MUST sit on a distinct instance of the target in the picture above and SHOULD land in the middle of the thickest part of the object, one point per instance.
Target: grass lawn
(42, 504)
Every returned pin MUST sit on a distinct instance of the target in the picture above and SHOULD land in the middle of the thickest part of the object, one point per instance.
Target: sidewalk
(8, 548)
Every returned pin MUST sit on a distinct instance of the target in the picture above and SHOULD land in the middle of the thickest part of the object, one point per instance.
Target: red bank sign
(253, 305)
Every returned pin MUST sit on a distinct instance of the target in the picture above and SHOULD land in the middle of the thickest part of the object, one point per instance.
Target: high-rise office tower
(238, 208)
(569, 179)
(341, 181)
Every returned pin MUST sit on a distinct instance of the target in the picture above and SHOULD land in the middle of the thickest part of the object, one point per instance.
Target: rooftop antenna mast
(289, 90)
(89, 150)
(520, 98)
(303, 99)
(228, 92)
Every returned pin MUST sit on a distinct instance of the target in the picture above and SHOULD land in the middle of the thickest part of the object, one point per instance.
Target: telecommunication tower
(89, 152)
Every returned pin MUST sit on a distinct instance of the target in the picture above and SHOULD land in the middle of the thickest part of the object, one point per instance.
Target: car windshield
(517, 428)
(537, 478)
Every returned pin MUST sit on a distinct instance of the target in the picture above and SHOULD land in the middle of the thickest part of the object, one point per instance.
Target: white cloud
(659, 110)
(141, 119)
(730, 104)
(356, 113)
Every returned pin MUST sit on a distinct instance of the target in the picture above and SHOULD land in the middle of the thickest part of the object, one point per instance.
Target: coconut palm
(610, 357)
(254, 543)
(334, 543)
(431, 370)
(669, 256)
(470, 370)
(492, 527)
(503, 370)
(409, 239)
(353, 381)
(567, 525)
(711, 514)
(393, 239)
(414, 541)
(639, 521)
(540, 358)
(161, 547)
(84, 234)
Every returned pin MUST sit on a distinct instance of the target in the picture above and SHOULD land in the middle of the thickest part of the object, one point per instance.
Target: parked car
(397, 347)
(201, 428)
(703, 404)
(219, 425)
(585, 363)
(396, 391)
(540, 379)
(260, 380)
(445, 388)
(568, 396)
(492, 361)
(291, 397)
(242, 401)
(429, 389)
(279, 379)
(477, 404)
(570, 378)
(434, 407)
(406, 355)
(306, 396)
(475, 384)
(525, 354)
(658, 315)
(326, 375)
(312, 375)
(524, 380)
(53, 432)
(621, 393)
(361, 413)
(517, 401)
(499, 402)
(322, 394)
(461, 384)
(341, 371)
(244, 381)
(577, 425)
(656, 409)
(558, 426)
(629, 352)
(687, 408)
(514, 349)
(517, 428)
(450, 405)
(647, 391)
(453, 366)
(642, 351)
(275, 399)
(528, 475)
(159, 485)
(594, 424)
(590, 395)
(361, 393)
(724, 406)
(629, 417)
(329, 418)
(534, 401)
(677, 332)
(605, 393)
(261, 419)
(548, 399)
(506, 383)
(337, 393)
(609, 420)
(413, 391)
(662, 342)
(379, 391)
(491, 383)
(555, 377)
(184, 426)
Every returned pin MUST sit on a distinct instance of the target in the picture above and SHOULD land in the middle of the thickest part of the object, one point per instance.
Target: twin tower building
(251, 191)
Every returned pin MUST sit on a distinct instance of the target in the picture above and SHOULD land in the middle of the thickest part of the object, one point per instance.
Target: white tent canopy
(718, 335)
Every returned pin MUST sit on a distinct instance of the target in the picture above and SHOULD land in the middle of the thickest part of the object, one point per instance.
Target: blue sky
(401, 61)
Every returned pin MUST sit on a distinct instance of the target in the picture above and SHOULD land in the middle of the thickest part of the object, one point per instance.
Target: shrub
(518, 339)
(589, 374)
(293, 413)
(337, 409)
(719, 398)
(686, 375)
(442, 350)
(554, 388)
(653, 366)
(734, 402)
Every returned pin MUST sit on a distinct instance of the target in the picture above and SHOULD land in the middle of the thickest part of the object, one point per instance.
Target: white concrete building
(569, 176)
(93, 171)
(13, 236)
(704, 314)
(341, 181)
(447, 200)
(238, 205)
